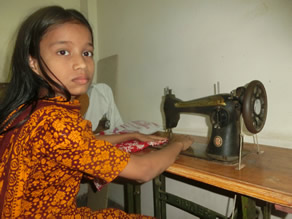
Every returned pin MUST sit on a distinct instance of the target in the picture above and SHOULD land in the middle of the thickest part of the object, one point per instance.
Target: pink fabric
(135, 146)
(136, 126)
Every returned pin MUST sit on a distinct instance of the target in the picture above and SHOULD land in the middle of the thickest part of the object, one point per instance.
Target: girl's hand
(185, 140)
(148, 138)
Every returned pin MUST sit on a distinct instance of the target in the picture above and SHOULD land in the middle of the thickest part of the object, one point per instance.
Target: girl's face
(67, 51)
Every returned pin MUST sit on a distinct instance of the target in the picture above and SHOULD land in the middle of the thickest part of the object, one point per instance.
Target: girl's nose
(79, 63)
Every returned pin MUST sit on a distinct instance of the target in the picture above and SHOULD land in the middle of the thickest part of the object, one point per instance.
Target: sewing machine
(224, 111)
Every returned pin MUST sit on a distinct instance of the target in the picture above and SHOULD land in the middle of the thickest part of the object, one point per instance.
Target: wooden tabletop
(266, 176)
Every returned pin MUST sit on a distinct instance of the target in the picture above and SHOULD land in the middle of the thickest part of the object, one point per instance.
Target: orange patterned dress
(43, 161)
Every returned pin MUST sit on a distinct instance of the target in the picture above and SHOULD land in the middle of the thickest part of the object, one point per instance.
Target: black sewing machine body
(224, 111)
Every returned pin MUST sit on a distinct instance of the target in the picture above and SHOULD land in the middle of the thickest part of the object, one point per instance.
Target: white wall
(189, 45)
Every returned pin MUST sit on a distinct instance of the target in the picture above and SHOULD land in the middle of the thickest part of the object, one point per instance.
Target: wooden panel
(107, 70)
(2, 87)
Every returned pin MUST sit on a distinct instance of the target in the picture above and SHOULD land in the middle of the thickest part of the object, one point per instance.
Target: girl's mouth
(81, 80)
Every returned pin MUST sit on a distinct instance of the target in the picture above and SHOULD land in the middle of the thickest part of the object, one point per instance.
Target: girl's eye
(88, 53)
(63, 53)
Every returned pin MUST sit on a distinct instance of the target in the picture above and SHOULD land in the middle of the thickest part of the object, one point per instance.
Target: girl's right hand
(185, 140)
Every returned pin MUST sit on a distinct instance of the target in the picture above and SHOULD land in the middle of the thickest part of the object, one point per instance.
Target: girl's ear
(33, 64)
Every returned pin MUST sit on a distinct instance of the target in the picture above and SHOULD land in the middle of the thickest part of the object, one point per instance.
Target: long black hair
(25, 85)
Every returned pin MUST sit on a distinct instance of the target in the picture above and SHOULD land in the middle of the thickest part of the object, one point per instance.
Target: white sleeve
(101, 102)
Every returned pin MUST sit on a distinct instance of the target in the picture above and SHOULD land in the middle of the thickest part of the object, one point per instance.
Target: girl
(46, 146)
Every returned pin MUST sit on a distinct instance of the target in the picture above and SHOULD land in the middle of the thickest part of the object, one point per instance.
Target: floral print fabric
(43, 161)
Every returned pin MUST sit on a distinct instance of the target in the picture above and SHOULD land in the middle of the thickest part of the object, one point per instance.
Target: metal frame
(245, 207)
(161, 198)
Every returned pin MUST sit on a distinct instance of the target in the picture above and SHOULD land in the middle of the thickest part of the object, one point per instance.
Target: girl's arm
(145, 167)
(115, 139)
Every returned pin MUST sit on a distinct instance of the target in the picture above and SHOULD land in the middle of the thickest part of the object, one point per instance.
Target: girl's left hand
(148, 138)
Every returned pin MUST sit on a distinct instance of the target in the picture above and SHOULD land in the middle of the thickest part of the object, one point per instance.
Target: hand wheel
(255, 106)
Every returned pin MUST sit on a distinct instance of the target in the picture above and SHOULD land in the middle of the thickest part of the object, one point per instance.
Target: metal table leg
(132, 198)
(159, 202)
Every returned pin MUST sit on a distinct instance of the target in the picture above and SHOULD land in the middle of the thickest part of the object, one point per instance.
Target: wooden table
(266, 176)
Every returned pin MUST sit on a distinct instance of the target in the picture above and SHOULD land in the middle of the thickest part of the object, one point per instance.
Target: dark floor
(112, 204)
